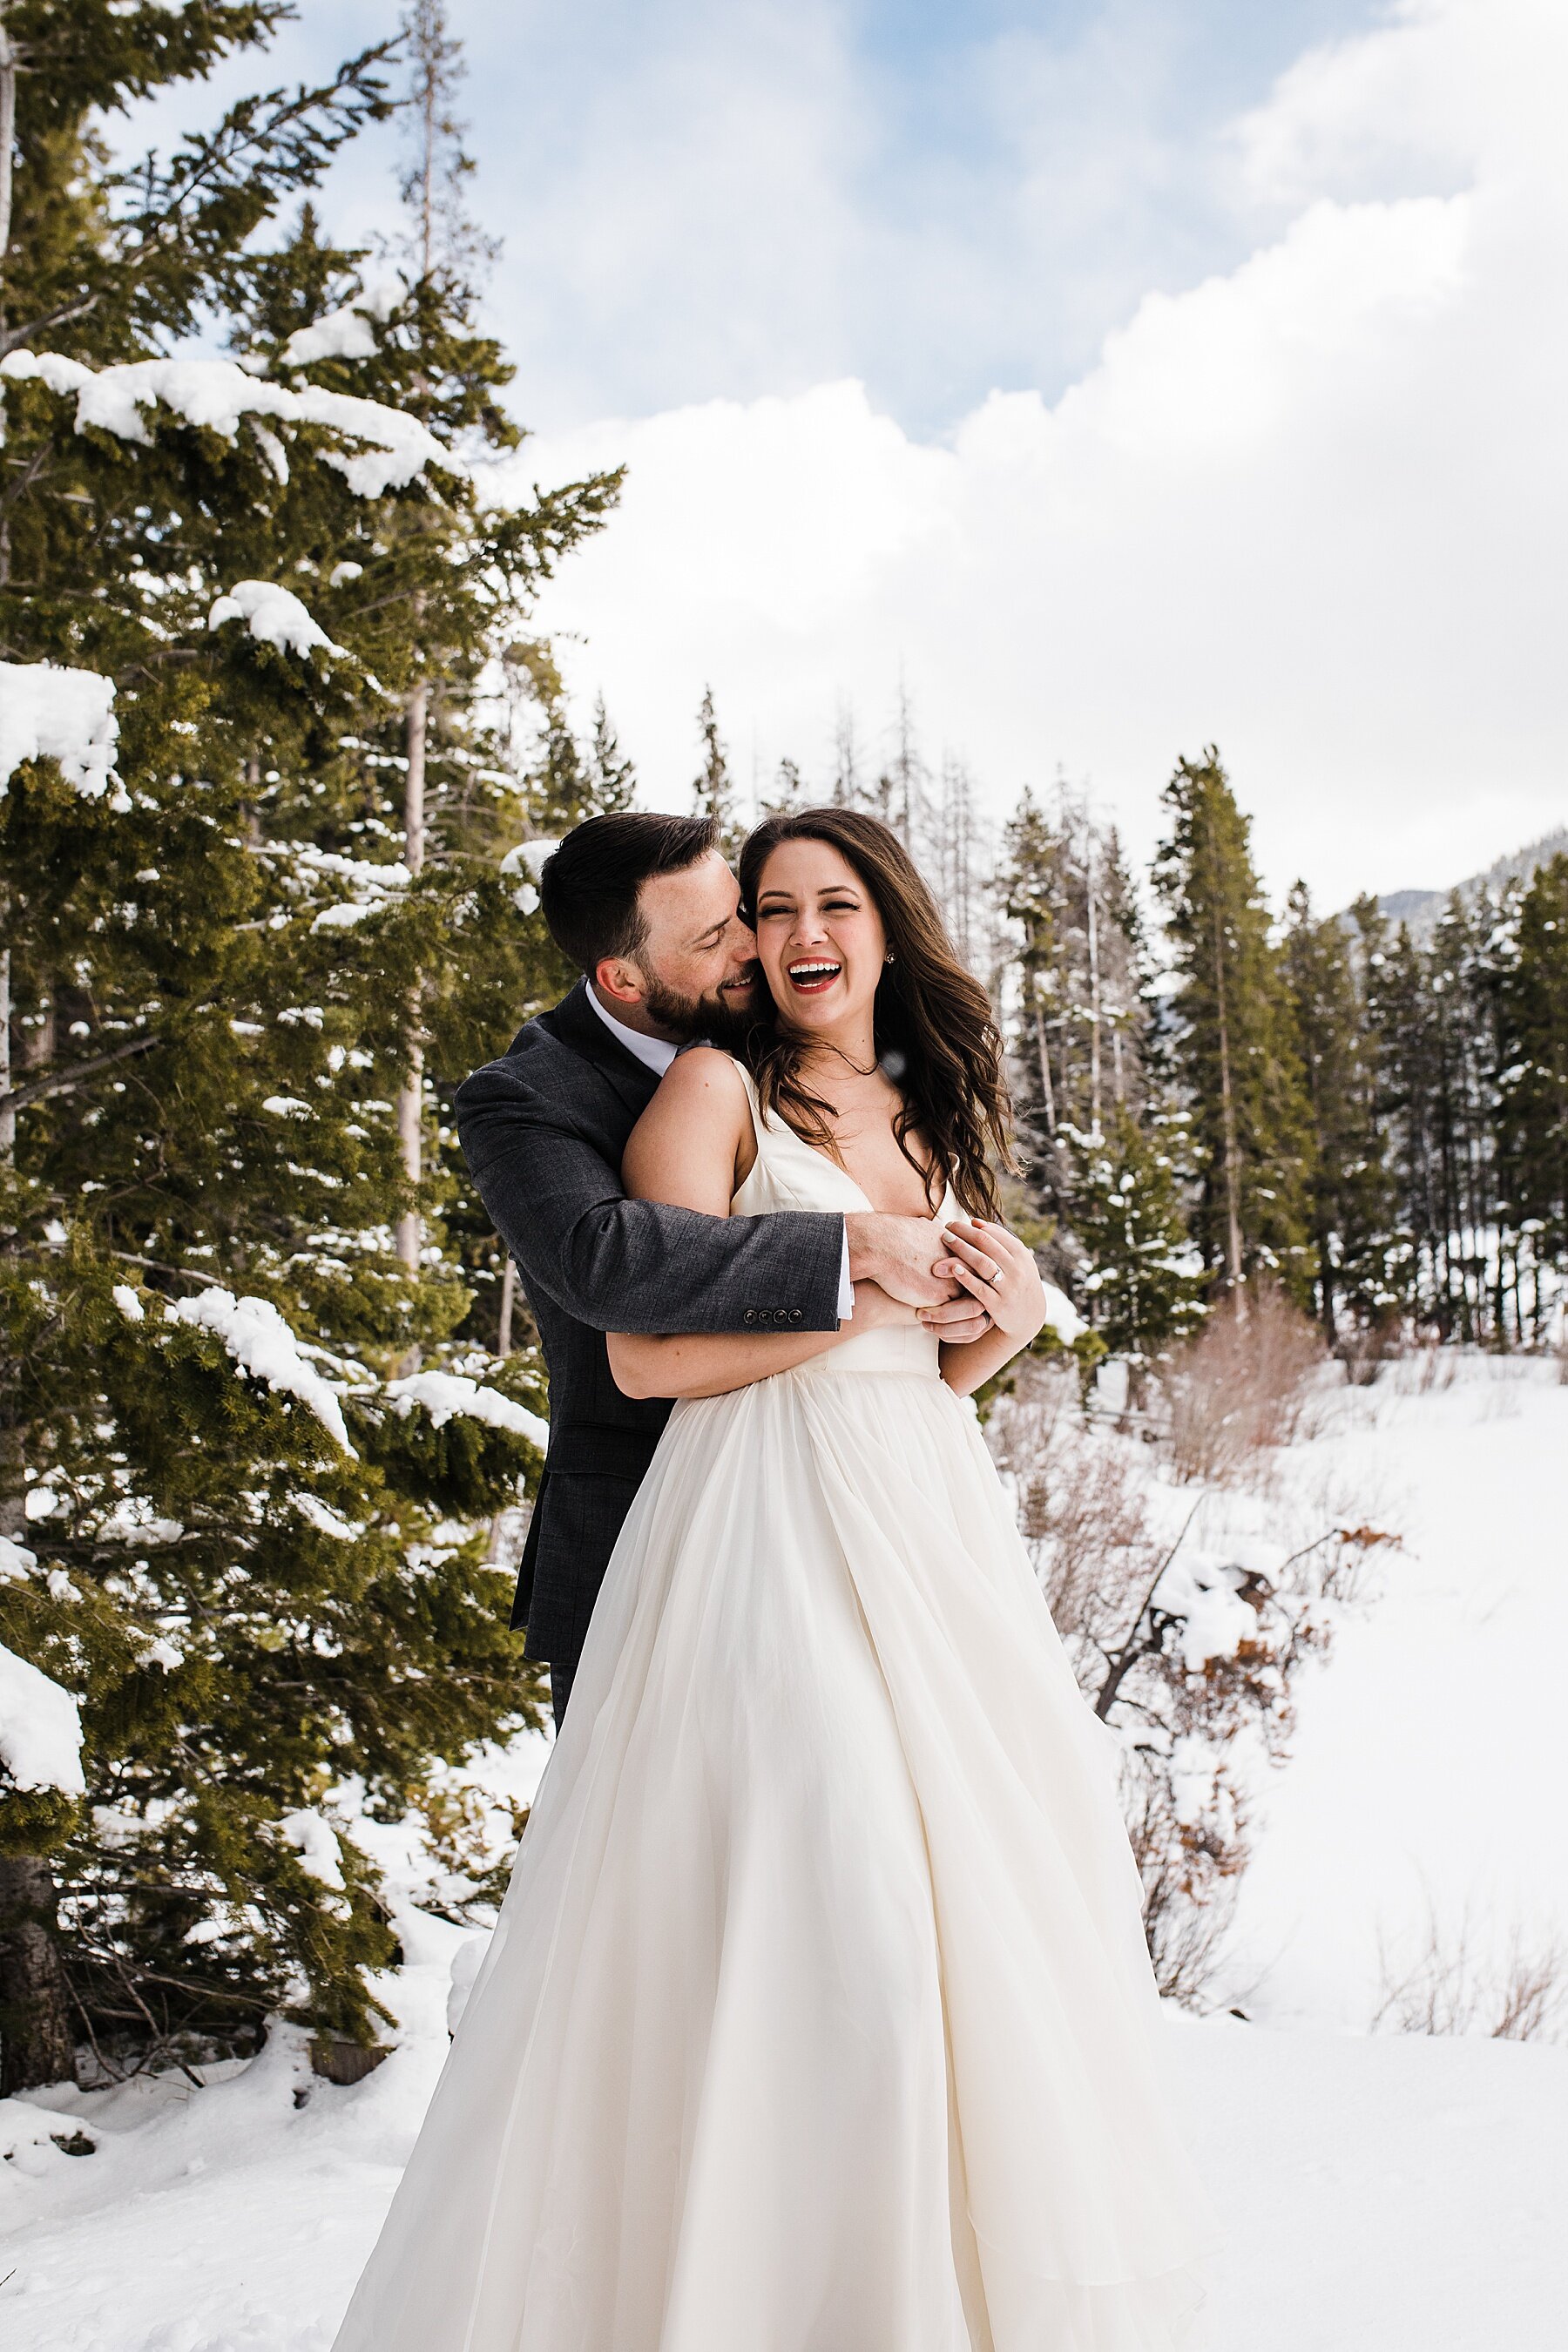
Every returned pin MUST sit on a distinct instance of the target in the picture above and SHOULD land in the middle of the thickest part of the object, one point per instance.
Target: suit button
(750, 1316)
(794, 1315)
(780, 1315)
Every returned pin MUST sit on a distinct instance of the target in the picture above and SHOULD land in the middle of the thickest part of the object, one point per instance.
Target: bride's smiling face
(820, 940)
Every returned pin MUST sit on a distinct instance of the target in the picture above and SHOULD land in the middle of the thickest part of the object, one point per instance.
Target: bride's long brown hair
(935, 1033)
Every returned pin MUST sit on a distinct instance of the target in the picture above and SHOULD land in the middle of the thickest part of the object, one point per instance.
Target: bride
(818, 2016)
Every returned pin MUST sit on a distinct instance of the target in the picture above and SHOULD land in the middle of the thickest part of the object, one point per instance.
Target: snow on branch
(48, 713)
(344, 334)
(217, 393)
(1062, 1316)
(315, 1842)
(528, 859)
(444, 1394)
(275, 616)
(40, 1729)
(261, 1344)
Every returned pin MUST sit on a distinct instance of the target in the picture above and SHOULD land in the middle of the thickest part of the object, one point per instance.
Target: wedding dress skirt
(818, 2016)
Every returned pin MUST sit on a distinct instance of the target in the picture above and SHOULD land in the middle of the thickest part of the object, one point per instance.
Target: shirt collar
(656, 1054)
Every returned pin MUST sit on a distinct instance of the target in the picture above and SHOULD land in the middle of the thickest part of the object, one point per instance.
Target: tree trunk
(1093, 927)
(411, 1101)
(8, 141)
(35, 2006)
(508, 1301)
(1227, 1107)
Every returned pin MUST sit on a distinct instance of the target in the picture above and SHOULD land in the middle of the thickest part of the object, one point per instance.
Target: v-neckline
(932, 1216)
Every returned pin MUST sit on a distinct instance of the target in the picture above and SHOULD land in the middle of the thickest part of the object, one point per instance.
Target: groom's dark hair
(588, 889)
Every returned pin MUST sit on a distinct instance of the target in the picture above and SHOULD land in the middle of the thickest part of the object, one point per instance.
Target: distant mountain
(1421, 908)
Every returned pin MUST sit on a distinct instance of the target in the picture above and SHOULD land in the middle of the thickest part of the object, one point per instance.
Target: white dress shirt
(656, 1054)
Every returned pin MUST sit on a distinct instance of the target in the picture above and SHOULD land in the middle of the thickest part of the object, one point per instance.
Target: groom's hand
(908, 1257)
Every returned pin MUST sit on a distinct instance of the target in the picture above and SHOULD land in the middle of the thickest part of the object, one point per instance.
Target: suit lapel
(575, 1024)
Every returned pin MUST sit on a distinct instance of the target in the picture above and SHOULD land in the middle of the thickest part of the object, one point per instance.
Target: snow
(68, 715)
(1388, 2191)
(326, 1520)
(316, 1841)
(1403, 2196)
(344, 334)
(129, 1304)
(275, 616)
(16, 1561)
(1062, 1316)
(261, 1343)
(217, 393)
(1424, 1772)
(444, 1394)
(40, 1728)
(528, 859)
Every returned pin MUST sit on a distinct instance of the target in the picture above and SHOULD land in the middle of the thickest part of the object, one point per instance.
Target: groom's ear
(621, 981)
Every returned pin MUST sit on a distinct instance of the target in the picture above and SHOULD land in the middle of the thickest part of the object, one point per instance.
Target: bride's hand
(996, 1269)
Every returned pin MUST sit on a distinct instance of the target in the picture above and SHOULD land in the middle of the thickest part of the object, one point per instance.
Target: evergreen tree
(713, 791)
(1233, 1048)
(788, 790)
(1082, 1026)
(1358, 1256)
(257, 1560)
(1145, 1286)
(612, 778)
(1531, 990)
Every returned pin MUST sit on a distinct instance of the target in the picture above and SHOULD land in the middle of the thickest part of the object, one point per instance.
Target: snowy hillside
(1384, 2194)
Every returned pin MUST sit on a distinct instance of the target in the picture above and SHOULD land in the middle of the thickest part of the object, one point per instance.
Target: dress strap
(759, 1124)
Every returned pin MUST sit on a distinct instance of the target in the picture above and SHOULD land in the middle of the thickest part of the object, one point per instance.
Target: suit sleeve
(619, 1265)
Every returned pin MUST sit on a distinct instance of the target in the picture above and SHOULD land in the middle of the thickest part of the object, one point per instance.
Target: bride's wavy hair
(935, 1033)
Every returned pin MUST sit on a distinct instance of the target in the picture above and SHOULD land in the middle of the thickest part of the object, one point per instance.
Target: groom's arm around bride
(648, 910)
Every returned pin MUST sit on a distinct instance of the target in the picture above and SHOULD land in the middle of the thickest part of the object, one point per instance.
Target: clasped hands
(961, 1280)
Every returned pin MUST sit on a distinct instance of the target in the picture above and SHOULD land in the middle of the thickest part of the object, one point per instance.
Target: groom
(647, 909)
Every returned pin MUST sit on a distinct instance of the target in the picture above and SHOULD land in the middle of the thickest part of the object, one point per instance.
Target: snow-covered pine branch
(445, 1395)
(65, 715)
(217, 393)
(40, 1728)
(275, 616)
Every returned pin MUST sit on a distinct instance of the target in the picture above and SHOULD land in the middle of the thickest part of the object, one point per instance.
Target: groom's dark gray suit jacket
(542, 1131)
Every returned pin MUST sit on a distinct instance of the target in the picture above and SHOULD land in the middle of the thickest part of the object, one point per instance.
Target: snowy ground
(1384, 2194)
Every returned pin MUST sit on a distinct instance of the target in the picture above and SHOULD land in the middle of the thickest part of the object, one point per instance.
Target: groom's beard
(722, 1017)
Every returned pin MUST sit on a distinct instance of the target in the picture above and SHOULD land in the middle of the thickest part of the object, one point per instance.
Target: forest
(281, 750)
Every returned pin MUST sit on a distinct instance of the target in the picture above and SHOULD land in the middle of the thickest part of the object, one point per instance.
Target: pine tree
(258, 1562)
(1358, 1256)
(1143, 1289)
(1083, 1024)
(1233, 1049)
(713, 790)
(1531, 990)
(611, 777)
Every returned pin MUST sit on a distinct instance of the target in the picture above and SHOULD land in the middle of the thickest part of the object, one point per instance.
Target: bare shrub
(1434, 1365)
(1365, 1343)
(1453, 1987)
(1188, 1658)
(1189, 1867)
(1082, 1508)
(1240, 1383)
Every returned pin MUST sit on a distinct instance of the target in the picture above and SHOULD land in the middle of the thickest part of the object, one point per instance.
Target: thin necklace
(854, 1066)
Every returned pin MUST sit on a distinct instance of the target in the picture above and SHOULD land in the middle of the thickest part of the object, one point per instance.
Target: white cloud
(1312, 508)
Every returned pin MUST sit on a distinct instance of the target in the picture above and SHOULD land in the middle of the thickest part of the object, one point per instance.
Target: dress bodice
(789, 1173)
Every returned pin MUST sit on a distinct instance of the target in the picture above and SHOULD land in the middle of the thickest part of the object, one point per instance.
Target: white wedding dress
(818, 2017)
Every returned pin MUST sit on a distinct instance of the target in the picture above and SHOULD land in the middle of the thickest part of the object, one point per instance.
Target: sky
(1115, 378)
